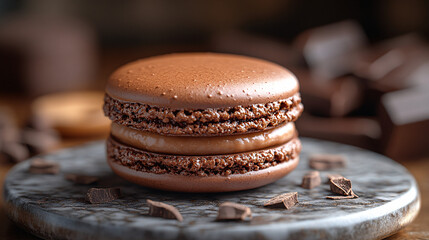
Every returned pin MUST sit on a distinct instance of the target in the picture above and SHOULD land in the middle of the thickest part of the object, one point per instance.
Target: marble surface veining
(60, 203)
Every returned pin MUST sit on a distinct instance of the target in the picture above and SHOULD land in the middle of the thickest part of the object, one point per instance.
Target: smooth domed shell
(201, 80)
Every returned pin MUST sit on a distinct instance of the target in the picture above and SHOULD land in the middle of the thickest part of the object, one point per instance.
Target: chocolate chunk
(311, 180)
(162, 210)
(80, 179)
(42, 166)
(405, 123)
(336, 97)
(342, 186)
(330, 50)
(233, 211)
(357, 131)
(102, 195)
(326, 161)
(14, 152)
(286, 200)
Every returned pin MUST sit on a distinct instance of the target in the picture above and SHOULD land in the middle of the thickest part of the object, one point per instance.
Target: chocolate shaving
(353, 195)
(326, 161)
(286, 200)
(42, 166)
(80, 179)
(102, 195)
(311, 180)
(340, 197)
(162, 210)
(233, 211)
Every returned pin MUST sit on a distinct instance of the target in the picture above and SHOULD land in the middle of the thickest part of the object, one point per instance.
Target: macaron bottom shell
(197, 184)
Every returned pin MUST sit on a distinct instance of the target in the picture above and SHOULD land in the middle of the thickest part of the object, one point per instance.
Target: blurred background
(363, 65)
(363, 68)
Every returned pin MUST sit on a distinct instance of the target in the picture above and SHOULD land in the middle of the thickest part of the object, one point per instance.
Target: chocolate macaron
(202, 122)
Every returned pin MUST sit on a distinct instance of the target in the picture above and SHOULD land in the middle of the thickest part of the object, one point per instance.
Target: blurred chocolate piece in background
(375, 62)
(405, 123)
(330, 50)
(345, 82)
(242, 43)
(17, 144)
(419, 77)
(40, 141)
(388, 66)
(40, 54)
(335, 98)
(391, 65)
(43, 166)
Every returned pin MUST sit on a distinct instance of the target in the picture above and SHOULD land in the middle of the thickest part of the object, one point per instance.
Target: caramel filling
(186, 145)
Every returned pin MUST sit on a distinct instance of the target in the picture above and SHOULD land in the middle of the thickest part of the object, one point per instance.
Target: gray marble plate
(51, 207)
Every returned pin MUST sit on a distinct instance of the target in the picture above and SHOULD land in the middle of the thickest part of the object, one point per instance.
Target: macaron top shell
(201, 80)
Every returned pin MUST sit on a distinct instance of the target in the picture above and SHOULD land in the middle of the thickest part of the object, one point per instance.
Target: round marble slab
(51, 207)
